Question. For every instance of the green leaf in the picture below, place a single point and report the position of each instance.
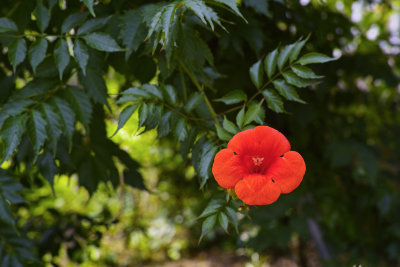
(223, 134)
(240, 118)
(170, 95)
(37, 130)
(89, 5)
(125, 116)
(205, 13)
(133, 31)
(223, 221)
(194, 100)
(314, 57)
(95, 84)
(229, 126)
(42, 15)
(274, 102)
(143, 114)
(206, 161)
(153, 90)
(232, 218)
(5, 212)
(47, 167)
(207, 225)
(259, 6)
(67, 117)
(212, 208)
(187, 144)
(256, 74)
(164, 127)
(168, 20)
(293, 79)
(37, 52)
(233, 97)
(251, 113)
(81, 55)
(61, 56)
(298, 46)
(232, 4)
(72, 21)
(12, 108)
(284, 55)
(181, 129)
(80, 103)
(102, 42)
(305, 72)
(11, 134)
(270, 63)
(17, 52)
(93, 25)
(54, 129)
(287, 91)
(7, 25)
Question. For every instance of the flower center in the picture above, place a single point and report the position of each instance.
(257, 161)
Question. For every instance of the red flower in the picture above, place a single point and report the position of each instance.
(258, 163)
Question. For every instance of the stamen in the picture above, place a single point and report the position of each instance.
(257, 161)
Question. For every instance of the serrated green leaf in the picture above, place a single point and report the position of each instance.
(256, 74)
(207, 225)
(102, 42)
(61, 56)
(17, 52)
(223, 221)
(5, 212)
(47, 167)
(42, 15)
(155, 23)
(37, 52)
(170, 95)
(164, 127)
(232, 4)
(125, 116)
(314, 57)
(80, 103)
(223, 134)
(232, 218)
(37, 130)
(168, 18)
(11, 134)
(293, 79)
(298, 46)
(211, 208)
(205, 13)
(284, 55)
(95, 85)
(89, 5)
(205, 164)
(181, 129)
(93, 25)
(305, 72)
(233, 97)
(240, 118)
(12, 108)
(153, 90)
(194, 100)
(81, 55)
(133, 31)
(143, 114)
(287, 91)
(230, 126)
(274, 102)
(270, 63)
(7, 25)
(67, 116)
(72, 21)
(251, 113)
(54, 129)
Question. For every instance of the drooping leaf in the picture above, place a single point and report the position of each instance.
(11, 134)
(270, 63)
(251, 113)
(284, 55)
(89, 5)
(73, 20)
(143, 114)
(181, 129)
(17, 52)
(232, 4)
(223, 221)
(274, 102)
(256, 74)
(212, 208)
(305, 72)
(61, 56)
(233, 97)
(187, 144)
(170, 95)
(81, 55)
(194, 100)
(206, 163)
(232, 218)
(125, 116)
(93, 25)
(47, 166)
(153, 90)
(67, 117)
(80, 103)
(293, 79)
(287, 91)
(240, 118)
(102, 42)
(314, 57)
(37, 130)
(205, 13)
(37, 52)
(42, 15)
(165, 126)
(7, 25)
(207, 225)
(54, 129)
(95, 84)
(168, 18)
(12, 108)
(133, 31)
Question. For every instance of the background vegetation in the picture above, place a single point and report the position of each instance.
(112, 111)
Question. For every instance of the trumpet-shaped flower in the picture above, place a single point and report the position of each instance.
(259, 165)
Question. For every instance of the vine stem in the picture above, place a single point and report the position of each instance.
(200, 88)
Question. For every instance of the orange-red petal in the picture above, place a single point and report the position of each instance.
(257, 189)
(287, 171)
(227, 168)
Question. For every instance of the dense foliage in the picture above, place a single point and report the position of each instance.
(193, 73)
